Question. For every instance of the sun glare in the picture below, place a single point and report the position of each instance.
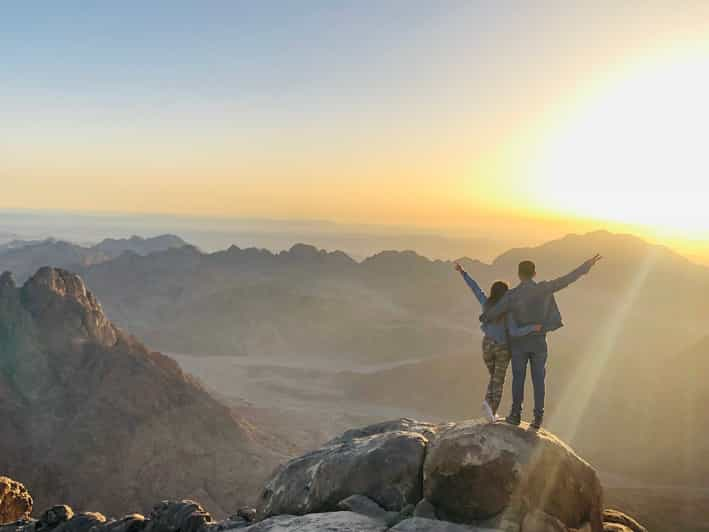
(637, 153)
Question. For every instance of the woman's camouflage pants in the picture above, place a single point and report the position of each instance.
(497, 358)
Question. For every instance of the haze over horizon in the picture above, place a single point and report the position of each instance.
(360, 241)
(539, 119)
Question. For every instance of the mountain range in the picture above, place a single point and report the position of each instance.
(393, 305)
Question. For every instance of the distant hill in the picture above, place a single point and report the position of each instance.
(92, 417)
(113, 247)
(24, 257)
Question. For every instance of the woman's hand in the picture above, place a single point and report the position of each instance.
(458, 268)
(538, 328)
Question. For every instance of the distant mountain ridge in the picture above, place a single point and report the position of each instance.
(393, 305)
(24, 257)
(114, 247)
(90, 415)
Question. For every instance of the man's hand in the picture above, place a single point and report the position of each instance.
(459, 268)
(590, 263)
(538, 328)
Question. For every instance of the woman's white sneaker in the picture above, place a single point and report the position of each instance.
(487, 412)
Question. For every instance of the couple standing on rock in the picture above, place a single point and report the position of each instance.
(515, 323)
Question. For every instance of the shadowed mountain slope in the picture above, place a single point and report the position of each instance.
(92, 417)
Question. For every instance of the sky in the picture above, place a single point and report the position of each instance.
(446, 115)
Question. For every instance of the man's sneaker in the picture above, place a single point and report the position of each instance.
(537, 423)
(514, 419)
(487, 412)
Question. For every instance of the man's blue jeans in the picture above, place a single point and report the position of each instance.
(537, 361)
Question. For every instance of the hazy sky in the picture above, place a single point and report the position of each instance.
(397, 112)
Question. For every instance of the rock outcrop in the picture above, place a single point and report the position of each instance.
(468, 488)
(15, 501)
(93, 418)
(473, 474)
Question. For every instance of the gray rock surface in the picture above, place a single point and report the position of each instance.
(425, 509)
(319, 522)
(420, 524)
(360, 504)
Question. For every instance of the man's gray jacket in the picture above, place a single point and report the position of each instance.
(533, 303)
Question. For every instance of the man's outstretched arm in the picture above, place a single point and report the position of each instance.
(562, 282)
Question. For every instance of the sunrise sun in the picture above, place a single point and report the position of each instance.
(636, 152)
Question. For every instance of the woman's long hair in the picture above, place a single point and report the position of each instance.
(498, 289)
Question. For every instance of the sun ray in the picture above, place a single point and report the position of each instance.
(577, 394)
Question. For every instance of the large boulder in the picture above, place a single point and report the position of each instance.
(178, 516)
(83, 522)
(476, 471)
(386, 467)
(53, 517)
(15, 501)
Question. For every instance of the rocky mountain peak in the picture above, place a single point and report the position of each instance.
(60, 282)
(60, 300)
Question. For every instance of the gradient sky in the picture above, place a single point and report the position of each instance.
(435, 114)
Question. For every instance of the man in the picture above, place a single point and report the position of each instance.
(531, 302)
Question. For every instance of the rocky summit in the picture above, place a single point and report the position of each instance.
(487, 476)
(93, 418)
(399, 476)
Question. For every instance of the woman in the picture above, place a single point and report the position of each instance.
(496, 351)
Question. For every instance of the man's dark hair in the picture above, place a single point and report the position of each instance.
(527, 269)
